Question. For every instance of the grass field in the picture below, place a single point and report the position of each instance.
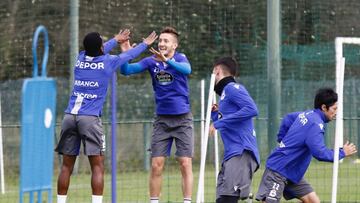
(133, 186)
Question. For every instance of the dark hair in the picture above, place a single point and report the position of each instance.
(170, 30)
(325, 96)
(92, 44)
(228, 64)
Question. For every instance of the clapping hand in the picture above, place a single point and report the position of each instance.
(158, 54)
(122, 36)
(126, 45)
(151, 38)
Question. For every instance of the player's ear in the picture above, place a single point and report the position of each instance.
(175, 45)
(323, 107)
(216, 70)
(102, 49)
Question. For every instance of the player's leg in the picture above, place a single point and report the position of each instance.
(310, 198)
(187, 176)
(184, 140)
(271, 187)
(93, 138)
(97, 174)
(68, 146)
(160, 148)
(302, 191)
(157, 167)
(65, 173)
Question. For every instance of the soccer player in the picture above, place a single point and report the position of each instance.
(82, 122)
(233, 118)
(300, 137)
(169, 71)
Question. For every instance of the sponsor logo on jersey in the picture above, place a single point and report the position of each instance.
(220, 115)
(321, 126)
(164, 78)
(85, 95)
(82, 83)
(88, 65)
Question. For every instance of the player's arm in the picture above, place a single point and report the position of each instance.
(286, 123)
(315, 142)
(109, 45)
(119, 38)
(183, 66)
(133, 68)
(247, 106)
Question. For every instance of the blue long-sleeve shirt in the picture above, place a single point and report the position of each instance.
(91, 78)
(303, 139)
(169, 80)
(234, 121)
(286, 123)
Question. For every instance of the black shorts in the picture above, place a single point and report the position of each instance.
(235, 176)
(169, 128)
(273, 186)
(80, 128)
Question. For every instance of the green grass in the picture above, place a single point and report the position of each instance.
(132, 186)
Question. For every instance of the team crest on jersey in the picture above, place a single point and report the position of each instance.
(164, 78)
(157, 69)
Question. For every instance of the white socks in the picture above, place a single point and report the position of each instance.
(61, 198)
(154, 200)
(187, 200)
(97, 198)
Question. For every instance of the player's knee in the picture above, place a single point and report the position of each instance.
(185, 164)
(310, 198)
(65, 168)
(157, 167)
(97, 169)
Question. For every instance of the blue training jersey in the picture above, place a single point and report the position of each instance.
(286, 123)
(91, 78)
(169, 80)
(234, 121)
(301, 137)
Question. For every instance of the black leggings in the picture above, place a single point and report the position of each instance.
(227, 199)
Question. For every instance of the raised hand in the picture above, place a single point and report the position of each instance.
(126, 45)
(122, 36)
(158, 54)
(151, 38)
(349, 148)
